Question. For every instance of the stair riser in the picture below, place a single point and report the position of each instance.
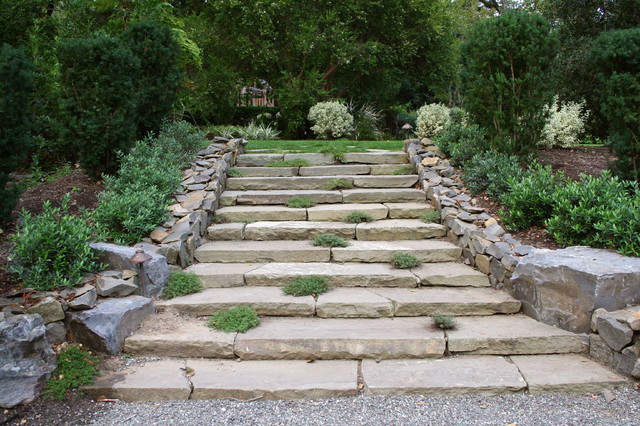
(319, 182)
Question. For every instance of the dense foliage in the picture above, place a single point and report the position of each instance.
(76, 367)
(507, 74)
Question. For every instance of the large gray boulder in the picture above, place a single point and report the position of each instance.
(26, 359)
(105, 327)
(563, 287)
(117, 257)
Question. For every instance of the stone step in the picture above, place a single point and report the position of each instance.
(261, 251)
(297, 230)
(255, 213)
(332, 170)
(399, 229)
(217, 379)
(383, 251)
(317, 159)
(334, 338)
(320, 182)
(450, 274)
(337, 212)
(303, 251)
(254, 197)
(341, 302)
(220, 275)
(509, 335)
(399, 195)
(381, 157)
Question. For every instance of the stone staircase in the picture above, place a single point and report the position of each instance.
(373, 332)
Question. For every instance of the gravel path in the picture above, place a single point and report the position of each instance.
(553, 409)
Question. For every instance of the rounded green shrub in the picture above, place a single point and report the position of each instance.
(329, 240)
(432, 120)
(405, 261)
(306, 286)
(239, 319)
(181, 283)
(330, 120)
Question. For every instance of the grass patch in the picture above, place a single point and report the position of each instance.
(246, 220)
(405, 261)
(306, 286)
(338, 184)
(336, 151)
(300, 202)
(181, 283)
(218, 219)
(240, 319)
(358, 217)
(444, 322)
(76, 367)
(233, 172)
(329, 240)
(404, 170)
(298, 162)
(321, 146)
(431, 217)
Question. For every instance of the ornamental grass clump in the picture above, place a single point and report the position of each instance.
(181, 283)
(76, 367)
(405, 261)
(300, 202)
(306, 286)
(358, 217)
(329, 240)
(331, 120)
(239, 319)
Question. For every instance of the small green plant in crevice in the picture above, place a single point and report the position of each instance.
(246, 220)
(404, 170)
(239, 319)
(298, 162)
(300, 202)
(339, 184)
(233, 172)
(358, 217)
(336, 151)
(181, 283)
(306, 286)
(431, 217)
(218, 219)
(405, 261)
(329, 240)
(444, 322)
(76, 367)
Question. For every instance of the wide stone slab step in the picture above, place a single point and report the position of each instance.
(337, 274)
(255, 213)
(230, 198)
(297, 230)
(392, 195)
(399, 229)
(450, 274)
(319, 338)
(320, 182)
(383, 251)
(486, 375)
(337, 212)
(217, 379)
(265, 300)
(381, 157)
(509, 335)
(220, 275)
(332, 170)
(261, 251)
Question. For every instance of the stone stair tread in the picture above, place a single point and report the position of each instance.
(242, 213)
(336, 338)
(337, 274)
(268, 171)
(399, 229)
(450, 274)
(411, 210)
(565, 373)
(335, 170)
(509, 335)
(261, 251)
(320, 182)
(214, 275)
(461, 375)
(353, 303)
(448, 301)
(265, 300)
(381, 157)
(278, 196)
(215, 379)
(383, 251)
(297, 230)
(391, 195)
(337, 212)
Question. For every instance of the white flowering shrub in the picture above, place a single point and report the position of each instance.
(432, 120)
(564, 125)
(330, 120)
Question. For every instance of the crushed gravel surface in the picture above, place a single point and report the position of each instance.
(521, 409)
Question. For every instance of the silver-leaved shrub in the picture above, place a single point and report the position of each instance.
(565, 124)
(432, 120)
(330, 120)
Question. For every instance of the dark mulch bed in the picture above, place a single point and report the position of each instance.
(84, 195)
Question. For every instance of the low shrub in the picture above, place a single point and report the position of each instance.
(330, 120)
(619, 226)
(52, 249)
(431, 217)
(181, 283)
(339, 184)
(358, 217)
(530, 198)
(405, 261)
(329, 240)
(580, 206)
(233, 172)
(444, 322)
(432, 120)
(298, 162)
(301, 202)
(460, 143)
(490, 171)
(239, 319)
(565, 124)
(76, 367)
(306, 286)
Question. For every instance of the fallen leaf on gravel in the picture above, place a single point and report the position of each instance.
(419, 403)
(483, 406)
(614, 377)
(361, 386)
